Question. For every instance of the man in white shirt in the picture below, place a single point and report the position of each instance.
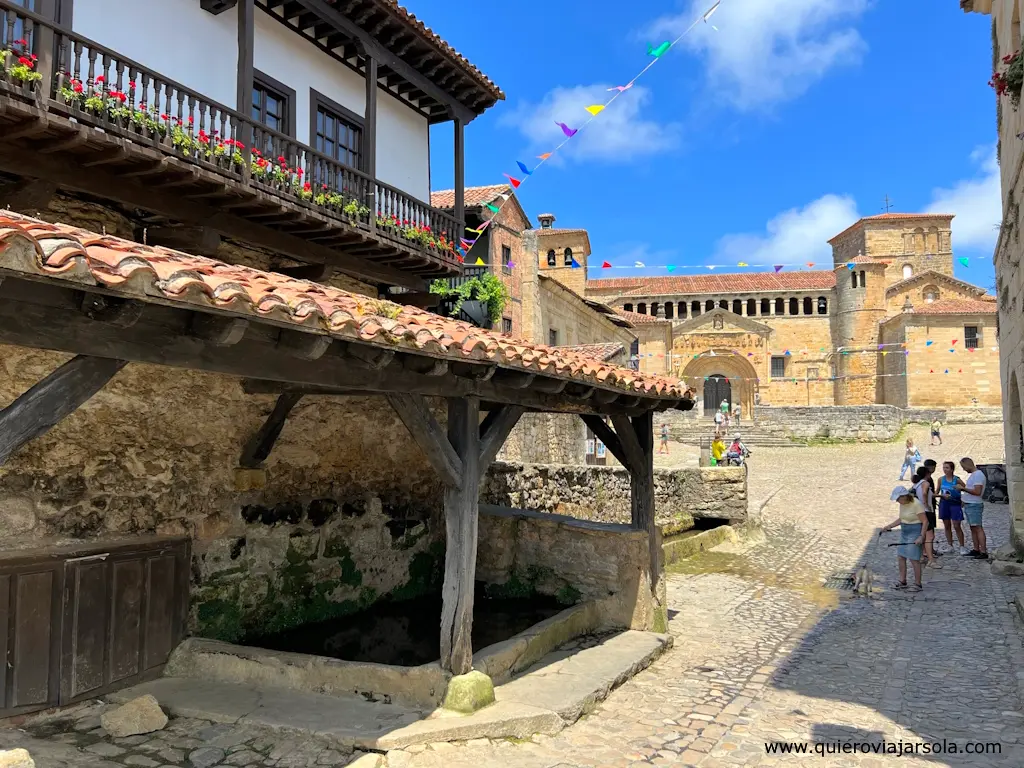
(971, 494)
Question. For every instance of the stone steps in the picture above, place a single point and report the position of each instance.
(692, 434)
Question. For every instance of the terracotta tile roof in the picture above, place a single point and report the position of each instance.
(637, 319)
(438, 42)
(893, 217)
(475, 196)
(930, 275)
(65, 253)
(748, 282)
(602, 352)
(957, 307)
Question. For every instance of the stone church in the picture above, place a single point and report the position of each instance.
(887, 323)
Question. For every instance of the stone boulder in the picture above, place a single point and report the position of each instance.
(141, 715)
(16, 758)
(468, 693)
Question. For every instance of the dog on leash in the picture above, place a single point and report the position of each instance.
(864, 581)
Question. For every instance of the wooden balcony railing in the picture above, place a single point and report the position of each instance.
(80, 79)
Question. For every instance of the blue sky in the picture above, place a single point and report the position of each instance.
(756, 142)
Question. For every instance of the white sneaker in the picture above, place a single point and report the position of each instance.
(965, 551)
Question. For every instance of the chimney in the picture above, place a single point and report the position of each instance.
(546, 220)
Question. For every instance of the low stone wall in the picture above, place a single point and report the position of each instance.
(601, 494)
(866, 423)
(576, 561)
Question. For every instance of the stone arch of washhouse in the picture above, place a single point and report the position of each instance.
(740, 374)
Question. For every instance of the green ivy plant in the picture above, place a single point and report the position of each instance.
(486, 288)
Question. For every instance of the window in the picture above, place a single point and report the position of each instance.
(930, 294)
(506, 259)
(766, 306)
(737, 307)
(780, 306)
(695, 308)
(682, 309)
(654, 309)
(568, 257)
(506, 325)
(337, 132)
(778, 367)
(552, 337)
(723, 304)
(670, 310)
(641, 308)
(971, 336)
(709, 305)
(808, 305)
(853, 279)
(794, 307)
(552, 259)
(822, 305)
(627, 307)
(863, 280)
(751, 307)
(273, 104)
(908, 271)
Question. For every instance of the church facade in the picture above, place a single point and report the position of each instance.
(888, 323)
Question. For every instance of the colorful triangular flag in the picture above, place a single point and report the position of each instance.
(493, 208)
(511, 265)
(954, 341)
(512, 180)
(671, 268)
(545, 156)
(849, 265)
(575, 264)
(479, 262)
(477, 231)
(595, 109)
(638, 264)
(743, 264)
(523, 168)
(569, 132)
(778, 268)
(621, 88)
(810, 264)
(660, 50)
(964, 260)
(605, 265)
(928, 343)
(787, 353)
(460, 259)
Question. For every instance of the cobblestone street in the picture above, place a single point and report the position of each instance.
(763, 652)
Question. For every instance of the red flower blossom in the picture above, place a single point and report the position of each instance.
(77, 87)
(325, 187)
(20, 42)
(131, 83)
(34, 57)
(121, 97)
(142, 106)
(25, 61)
(281, 160)
(307, 187)
(164, 116)
(100, 79)
(191, 120)
(299, 172)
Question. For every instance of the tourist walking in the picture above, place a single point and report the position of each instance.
(736, 411)
(724, 407)
(924, 492)
(719, 423)
(911, 458)
(971, 496)
(663, 448)
(950, 510)
(936, 431)
(913, 523)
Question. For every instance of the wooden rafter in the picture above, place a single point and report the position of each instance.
(261, 444)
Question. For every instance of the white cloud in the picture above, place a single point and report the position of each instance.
(796, 236)
(976, 203)
(621, 132)
(768, 51)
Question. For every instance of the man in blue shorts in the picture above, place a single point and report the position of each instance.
(971, 494)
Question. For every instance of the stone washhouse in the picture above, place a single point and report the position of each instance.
(192, 448)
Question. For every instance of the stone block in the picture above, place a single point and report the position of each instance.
(16, 758)
(469, 693)
(250, 479)
(1007, 568)
(141, 715)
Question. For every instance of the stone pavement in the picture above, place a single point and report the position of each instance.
(763, 652)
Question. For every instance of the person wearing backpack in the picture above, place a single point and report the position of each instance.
(911, 458)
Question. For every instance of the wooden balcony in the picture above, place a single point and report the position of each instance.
(82, 117)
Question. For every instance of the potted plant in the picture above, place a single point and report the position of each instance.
(483, 298)
(1011, 79)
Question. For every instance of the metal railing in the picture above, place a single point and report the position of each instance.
(96, 86)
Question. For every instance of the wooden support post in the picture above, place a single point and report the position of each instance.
(370, 120)
(243, 97)
(261, 444)
(460, 174)
(642, 490)
(58, 395)
(461, 510)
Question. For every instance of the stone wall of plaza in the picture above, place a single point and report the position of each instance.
(601, 494)
(547, 438)
(945, 374)
(506, 231)
(330, 526)
(809, 342)
(868, 423)
(655, 346)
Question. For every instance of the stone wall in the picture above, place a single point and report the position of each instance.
(601, 494)
(547, 438)
(849, 422)
(572, 560)
(345, 513)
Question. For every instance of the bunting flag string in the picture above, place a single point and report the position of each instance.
(523, 168)
(595, 110)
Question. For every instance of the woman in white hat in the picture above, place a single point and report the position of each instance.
(913, 522)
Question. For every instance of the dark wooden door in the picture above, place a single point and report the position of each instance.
(80, 622)
(716, 389)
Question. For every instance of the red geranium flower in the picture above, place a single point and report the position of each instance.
(131, 83)
(77, 87)
(25, 61)
(100, 79)
(20, 42)
(307, 187)
(299, 171)
(281, 160)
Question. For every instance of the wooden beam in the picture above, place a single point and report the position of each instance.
(122, 313)
(425, 366)
(261, 444)
(417, 418)
(304, 345)
(369, 135)
(605, 434)
(246, 25)
(58, 395)
(370, 357)
(203, 241)
(460, 173)
(461, 513)
(641, 490)
(494, 431)
(313, 272)
(631, 447)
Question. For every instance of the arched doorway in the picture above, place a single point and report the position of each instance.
(716, 389)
